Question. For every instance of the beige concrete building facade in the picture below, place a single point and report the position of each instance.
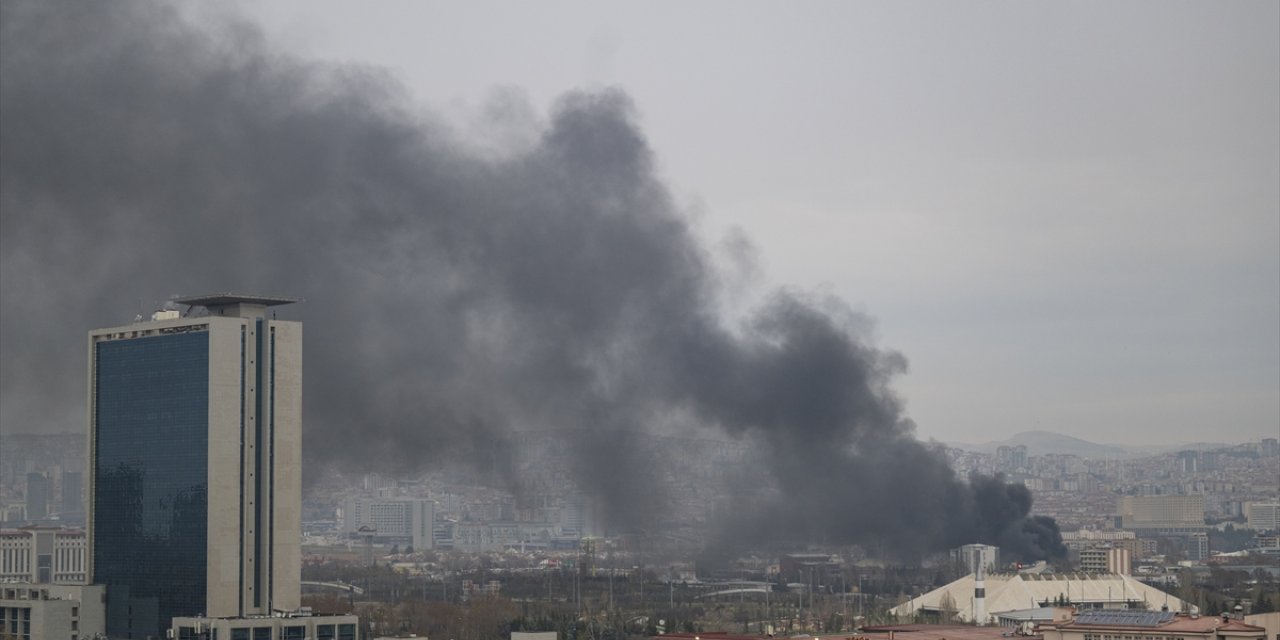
(1106, 560)
(1264, 516)
(200, 415)
(38, 611)
(41, 555)
(1163, 514)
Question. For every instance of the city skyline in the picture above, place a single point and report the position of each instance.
(1049, 244)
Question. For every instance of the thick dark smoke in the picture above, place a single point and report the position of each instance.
(452, 296)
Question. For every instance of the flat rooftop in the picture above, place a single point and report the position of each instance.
(223, 299)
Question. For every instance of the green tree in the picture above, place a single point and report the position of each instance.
(1263, 602)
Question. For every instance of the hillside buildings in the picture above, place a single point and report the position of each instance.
(41, 479)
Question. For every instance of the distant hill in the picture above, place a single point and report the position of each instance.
(1039, 443)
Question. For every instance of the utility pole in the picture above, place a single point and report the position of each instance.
(811, 570)
(844, 601)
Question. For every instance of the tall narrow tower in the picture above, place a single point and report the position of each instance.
(980, 596)
(195, 463)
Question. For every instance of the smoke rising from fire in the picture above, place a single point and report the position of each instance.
(453, 294)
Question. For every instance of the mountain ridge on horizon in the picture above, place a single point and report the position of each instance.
(1040, 442)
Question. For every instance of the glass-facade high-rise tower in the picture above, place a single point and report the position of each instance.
(195, 464)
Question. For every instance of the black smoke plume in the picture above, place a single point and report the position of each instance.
(453, 295)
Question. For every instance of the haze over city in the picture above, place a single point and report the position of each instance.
(473, 311)
(1064, 218)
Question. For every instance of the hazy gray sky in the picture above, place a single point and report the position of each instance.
(1065, 215)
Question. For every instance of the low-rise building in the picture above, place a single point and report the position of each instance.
(38, 611)
(1269, 621)
(1151, 625)
(1014, 592)
(43, 555)
(803, 567)
(928, 632)
(301, 626)
(1086, 538)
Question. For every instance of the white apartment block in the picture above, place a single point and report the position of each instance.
(1089, 538)
(1162, 514)
(408, 519)
(497, 536)
(1264, 516)
(43, 555)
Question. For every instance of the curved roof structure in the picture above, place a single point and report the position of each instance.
(1014, 592)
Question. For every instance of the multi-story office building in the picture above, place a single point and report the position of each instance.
(408, 520)
(1270, 446)
(37, 496)
(1012, 457)
(1093, 560)
(1198, 546)
(1106, 560)
(1264, 516)
(1188, 461)
(973, 556)
(1090, 538)
(42, 555)
(1162, 515)
(72, 494)
(195, 464)
(580, 517)
(497, 536)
